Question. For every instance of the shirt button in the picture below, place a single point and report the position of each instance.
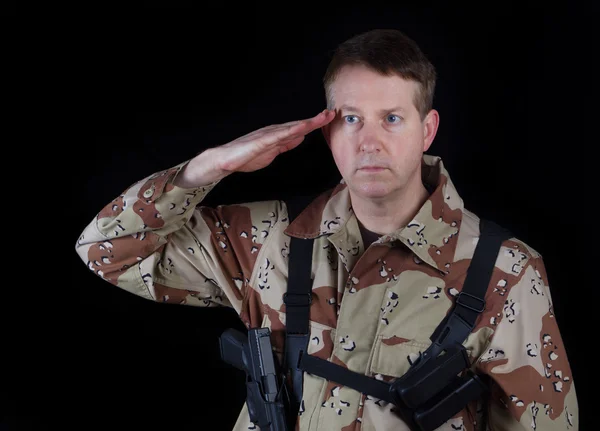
(149, 192)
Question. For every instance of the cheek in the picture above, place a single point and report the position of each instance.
(414, 134)
(343, 140)
(341, 155)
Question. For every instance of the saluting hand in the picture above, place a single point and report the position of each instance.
(250, 152)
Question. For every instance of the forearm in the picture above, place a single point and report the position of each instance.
(200, 171)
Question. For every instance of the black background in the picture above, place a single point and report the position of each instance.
(151, 88)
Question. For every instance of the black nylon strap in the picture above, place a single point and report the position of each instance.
(335, 373)
(297, 302)
(298, 297)
(470, 302)
(471, 299)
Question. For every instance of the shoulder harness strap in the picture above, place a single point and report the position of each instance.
(297, 302)
(431, 391)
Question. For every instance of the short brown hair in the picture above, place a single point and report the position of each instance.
(387, 51)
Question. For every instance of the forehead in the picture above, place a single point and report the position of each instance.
(361, 85)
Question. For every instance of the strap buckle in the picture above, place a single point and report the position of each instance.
(473, 303)
(291, 299)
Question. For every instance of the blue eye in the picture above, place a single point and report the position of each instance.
(347, 117)
(392, 117)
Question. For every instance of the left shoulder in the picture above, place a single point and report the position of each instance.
(514, 252)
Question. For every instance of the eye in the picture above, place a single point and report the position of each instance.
(393, 119)
(351, 119)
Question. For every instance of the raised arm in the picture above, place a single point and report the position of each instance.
(156, 241)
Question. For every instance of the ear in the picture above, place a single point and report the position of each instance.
(430, 127)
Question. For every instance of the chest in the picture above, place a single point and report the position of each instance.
(369, 307)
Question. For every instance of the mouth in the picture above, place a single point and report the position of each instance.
(372, 169)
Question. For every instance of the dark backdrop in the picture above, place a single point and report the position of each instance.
(152, 88)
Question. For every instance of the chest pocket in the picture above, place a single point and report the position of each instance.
(409, 318)
(393, 356)
(320, 342)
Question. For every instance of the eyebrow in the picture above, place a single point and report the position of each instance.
(352, 108)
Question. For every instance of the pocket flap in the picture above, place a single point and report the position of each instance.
(393, 356)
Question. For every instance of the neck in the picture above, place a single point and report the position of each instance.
(384, 216)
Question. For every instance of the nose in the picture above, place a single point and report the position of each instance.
(369, 140)
(370, 146)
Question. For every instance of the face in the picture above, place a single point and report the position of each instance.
(377, 125)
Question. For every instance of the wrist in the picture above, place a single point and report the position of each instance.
(199, 171)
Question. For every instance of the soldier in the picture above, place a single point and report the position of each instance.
(392, 244)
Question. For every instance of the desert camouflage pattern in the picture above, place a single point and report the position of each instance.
(374, 308)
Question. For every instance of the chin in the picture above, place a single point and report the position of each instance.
(371, 190)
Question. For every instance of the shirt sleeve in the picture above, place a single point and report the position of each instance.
(532, 385)
(152, 241)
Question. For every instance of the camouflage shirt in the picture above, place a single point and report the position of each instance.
(374, 308)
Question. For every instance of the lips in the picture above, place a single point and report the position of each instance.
(372, 168)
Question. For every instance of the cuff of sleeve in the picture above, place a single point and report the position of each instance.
(168, 199)
(162, 182)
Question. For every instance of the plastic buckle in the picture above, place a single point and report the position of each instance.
(297, 299)
(460, 300)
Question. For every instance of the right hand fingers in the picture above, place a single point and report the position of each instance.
(325, 114)
(308, 125)
(257, 149)
(278, 134)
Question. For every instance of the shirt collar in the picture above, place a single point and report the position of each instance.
(431, 235)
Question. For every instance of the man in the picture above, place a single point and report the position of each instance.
(392, 243)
